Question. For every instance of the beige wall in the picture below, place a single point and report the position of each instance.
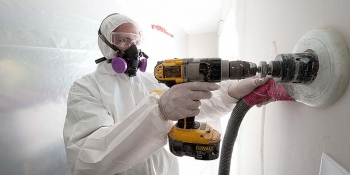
(291, 138)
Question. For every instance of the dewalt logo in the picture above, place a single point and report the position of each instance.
(204, 148)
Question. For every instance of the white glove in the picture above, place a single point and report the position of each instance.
(182, 100)
(244, 87)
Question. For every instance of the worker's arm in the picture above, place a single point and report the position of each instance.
(96, 144)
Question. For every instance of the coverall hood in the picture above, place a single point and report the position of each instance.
(109, 24)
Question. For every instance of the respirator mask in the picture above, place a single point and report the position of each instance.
(128, 61)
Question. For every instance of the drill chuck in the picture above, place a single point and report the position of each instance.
(241, 69)
(291, 68)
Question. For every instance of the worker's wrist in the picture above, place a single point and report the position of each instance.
(161, 113)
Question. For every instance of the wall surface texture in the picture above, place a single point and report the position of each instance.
(287, 137)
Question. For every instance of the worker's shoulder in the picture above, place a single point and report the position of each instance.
(86, 85)
(150, 82)
(86, 80)
(147, 76)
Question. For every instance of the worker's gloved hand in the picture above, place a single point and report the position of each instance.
(182, 100)
(244, 87)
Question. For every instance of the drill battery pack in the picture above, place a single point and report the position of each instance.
(202, 143)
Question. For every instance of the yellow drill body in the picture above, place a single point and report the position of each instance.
(188, 137)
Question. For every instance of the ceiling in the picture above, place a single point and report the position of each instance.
(193, 16)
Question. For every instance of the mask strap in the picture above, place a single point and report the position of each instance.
(103, 38)
(100, 60)
(142, 54)
(107, 42)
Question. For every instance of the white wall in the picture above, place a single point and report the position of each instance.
(203, 45)
(289, 138)
(159, 45)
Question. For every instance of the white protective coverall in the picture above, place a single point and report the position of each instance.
(113, 124)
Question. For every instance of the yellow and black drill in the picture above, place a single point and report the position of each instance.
(189, 137)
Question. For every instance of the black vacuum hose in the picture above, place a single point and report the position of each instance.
(233, 125)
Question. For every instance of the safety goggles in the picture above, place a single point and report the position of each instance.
(122, 39)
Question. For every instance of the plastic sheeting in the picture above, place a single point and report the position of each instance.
(41, 53)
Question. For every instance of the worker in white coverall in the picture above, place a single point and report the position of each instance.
(116, 125)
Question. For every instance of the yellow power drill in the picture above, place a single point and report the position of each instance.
(189, 137)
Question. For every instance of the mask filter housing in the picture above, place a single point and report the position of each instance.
(130, 62)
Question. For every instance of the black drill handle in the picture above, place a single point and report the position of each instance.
(185, 123)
